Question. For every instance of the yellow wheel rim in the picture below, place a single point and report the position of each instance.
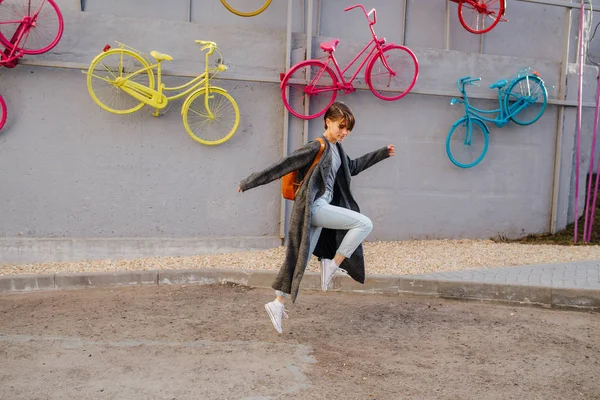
(106, 72)
(246, 14)
(215, 126)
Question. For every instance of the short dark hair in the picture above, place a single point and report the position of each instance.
(339, 111)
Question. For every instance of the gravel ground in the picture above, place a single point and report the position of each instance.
(394, 258)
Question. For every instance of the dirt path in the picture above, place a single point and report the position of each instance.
(208, 342)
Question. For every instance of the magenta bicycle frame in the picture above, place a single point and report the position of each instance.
(347, 85)
(9, 57)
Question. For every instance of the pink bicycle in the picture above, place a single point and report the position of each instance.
(391, 73)
(30, 26)
(27, 27)
(8, 59)
(480, 16)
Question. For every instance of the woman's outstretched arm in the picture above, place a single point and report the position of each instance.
(368, 160)
(296, 160)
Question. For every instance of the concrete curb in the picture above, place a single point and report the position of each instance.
(522, 294)
(21, 250)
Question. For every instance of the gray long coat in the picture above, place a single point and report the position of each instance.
(313, 187)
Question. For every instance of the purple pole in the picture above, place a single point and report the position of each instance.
(578, 151)
(588, 223)
(593, 205)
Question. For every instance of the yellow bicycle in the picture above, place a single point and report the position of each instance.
(121, 81)
(254, 6)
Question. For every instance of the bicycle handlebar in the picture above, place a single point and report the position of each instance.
(366, 14)
(463, 81)
(207, 45)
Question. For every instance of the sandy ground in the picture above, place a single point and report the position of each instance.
(394, 258)
(216, 342)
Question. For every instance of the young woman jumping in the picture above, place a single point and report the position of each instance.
(325, 219)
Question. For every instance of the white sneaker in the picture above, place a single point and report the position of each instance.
(276, 311)
(328, 268)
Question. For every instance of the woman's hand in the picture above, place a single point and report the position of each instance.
(391, 150)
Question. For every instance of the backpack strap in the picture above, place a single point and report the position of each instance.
(318, 157)
(315, 162)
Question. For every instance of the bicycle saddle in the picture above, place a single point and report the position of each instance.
(500, 84)
(160, 56)
(330, 46)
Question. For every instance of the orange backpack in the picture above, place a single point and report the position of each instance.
(289, 183)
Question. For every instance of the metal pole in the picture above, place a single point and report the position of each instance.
(318, 18)
(587, 223)
(286, 114)
(562, 83)
(308, 56)
(592, 214)
(447, 44)
(579, 110)
(403, 32)
(481, 43)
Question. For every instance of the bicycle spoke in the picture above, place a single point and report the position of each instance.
(38, 10)
(109, 70)
(101, 78)
(198, 113)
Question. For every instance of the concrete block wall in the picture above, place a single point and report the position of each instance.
(78, 182)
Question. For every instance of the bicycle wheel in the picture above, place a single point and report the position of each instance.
(3, 112)
(319, 93)
(526, 98)
(392, 73)
(105, 71)
(207, 129)
(39, 21)
(246, 8)
(480, 16)
(464, 150)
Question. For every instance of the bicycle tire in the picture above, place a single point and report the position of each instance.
(146, 78)
(526, 92)
(248, 13)
(476, 27)
(216, 109)
(3, 112)
(404, 65)
(298, 97)
(479, 154)
(13, 9)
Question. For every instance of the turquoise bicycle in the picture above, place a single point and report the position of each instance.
(521, 99)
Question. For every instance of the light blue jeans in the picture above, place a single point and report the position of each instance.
(324, 215)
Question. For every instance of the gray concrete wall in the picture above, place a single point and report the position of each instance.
(79, 182)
